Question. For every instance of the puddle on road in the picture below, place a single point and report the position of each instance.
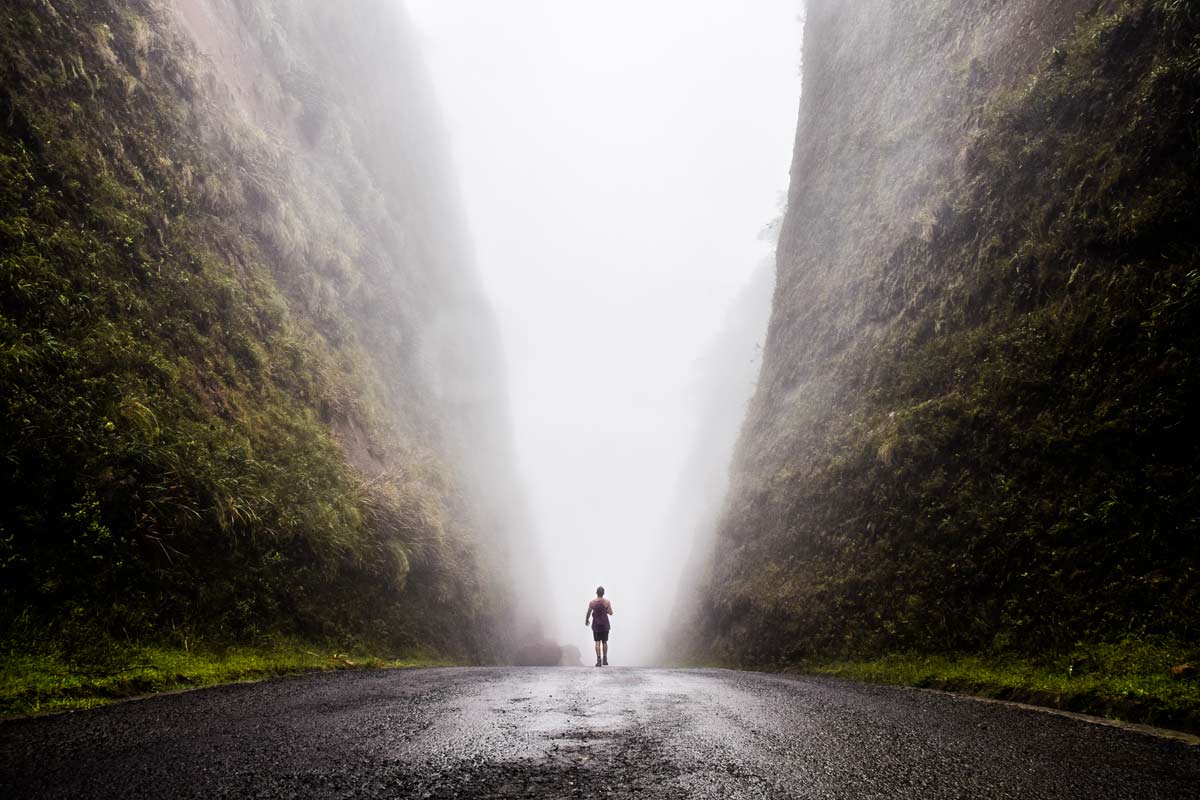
(560, 733)
(543, 715)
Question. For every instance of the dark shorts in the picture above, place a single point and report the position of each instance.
(600, 634)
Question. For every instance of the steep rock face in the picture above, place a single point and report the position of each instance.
(724, 383)
(250, 369)
(971, 429)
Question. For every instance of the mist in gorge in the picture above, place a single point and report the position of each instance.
(618, 165)
(725, 380)
(394, 333)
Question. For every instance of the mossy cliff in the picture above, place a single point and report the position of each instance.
(246, 373)
(975, 428)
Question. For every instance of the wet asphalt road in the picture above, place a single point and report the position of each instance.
(588, 732)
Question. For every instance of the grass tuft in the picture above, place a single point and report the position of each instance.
(34, 683)
(1122, 682)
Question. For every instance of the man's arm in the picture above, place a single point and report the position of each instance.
(608, 607)
(587, 619)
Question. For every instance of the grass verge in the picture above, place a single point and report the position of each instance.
(39, 683)
(1144, 696)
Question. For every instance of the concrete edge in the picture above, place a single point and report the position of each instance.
(1148, 730)
(1189, 739)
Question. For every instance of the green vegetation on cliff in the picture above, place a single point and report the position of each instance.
(981, 438)
(218, 426)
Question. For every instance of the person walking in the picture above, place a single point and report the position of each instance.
(598, 612)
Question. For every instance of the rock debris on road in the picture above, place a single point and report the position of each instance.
(598, 733)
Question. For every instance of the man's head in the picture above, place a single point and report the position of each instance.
(599, 591)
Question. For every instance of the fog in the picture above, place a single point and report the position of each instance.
(618, 163)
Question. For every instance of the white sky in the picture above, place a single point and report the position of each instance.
(617, 162)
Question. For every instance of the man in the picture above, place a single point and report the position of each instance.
(599, 610)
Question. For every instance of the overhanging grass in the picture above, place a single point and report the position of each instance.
(37, 683)
(1147, 696)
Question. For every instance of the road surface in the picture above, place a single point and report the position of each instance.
(561, 733)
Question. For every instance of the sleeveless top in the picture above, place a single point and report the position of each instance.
(599, 608)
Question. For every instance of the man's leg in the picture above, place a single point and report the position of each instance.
(605, 662)
(597, 654)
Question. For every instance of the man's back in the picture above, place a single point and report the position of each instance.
(601, 608)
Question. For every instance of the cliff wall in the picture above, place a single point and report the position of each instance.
(249, 371)
(972, 428)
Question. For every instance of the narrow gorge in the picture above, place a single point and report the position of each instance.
(400, 337)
